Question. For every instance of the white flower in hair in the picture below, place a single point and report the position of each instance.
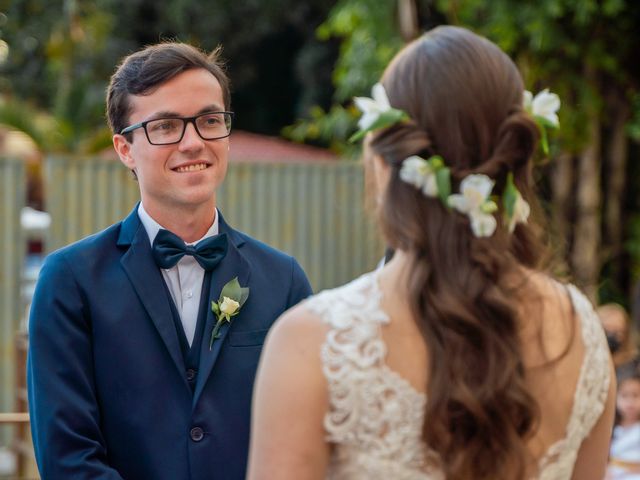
(417, 172)
(474, 202)
(377, 112)
(544, 105)
(372, 108)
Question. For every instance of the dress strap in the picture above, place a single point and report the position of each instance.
(590, 395)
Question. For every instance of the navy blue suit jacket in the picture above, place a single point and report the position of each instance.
(108, 393)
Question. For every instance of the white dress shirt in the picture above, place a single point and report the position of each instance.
(185, 278)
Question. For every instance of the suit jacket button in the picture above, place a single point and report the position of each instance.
(196, 434)
(191, 374)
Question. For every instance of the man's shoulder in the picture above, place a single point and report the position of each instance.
(259, 249)
(272, 268)
(97, 243)
(273, 264)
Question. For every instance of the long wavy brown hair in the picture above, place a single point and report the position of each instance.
(464, 97)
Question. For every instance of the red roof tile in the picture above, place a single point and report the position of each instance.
(246, 146)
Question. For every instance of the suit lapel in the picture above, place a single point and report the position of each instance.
(147, 281)
(233, 265)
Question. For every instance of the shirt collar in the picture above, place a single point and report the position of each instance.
(152, 227)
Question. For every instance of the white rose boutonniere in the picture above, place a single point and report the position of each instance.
(228, 305)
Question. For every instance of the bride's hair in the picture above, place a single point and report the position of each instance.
(464, 98)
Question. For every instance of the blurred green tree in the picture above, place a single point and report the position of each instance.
(52, 87)
(369, 38)
(62, 52)
(585, 51)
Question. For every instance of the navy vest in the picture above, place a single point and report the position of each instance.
(191, 354)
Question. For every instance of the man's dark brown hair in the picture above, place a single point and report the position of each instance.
(142, 72)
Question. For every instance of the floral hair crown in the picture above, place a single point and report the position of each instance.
(433, 177)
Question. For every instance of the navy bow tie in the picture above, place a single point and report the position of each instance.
(168, 249)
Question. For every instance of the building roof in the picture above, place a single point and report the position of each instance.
(253, 147)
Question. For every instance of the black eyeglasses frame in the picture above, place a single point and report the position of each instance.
(186, 120)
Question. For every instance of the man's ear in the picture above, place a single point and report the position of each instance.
(123, 149)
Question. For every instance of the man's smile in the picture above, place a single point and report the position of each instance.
(194, 167)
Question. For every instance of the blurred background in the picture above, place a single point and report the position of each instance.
(295, 182)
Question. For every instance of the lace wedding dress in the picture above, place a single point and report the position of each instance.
(375, 417)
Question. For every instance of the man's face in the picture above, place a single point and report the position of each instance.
(185, 175)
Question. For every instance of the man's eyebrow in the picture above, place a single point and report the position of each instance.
(211, 108)
(162, 114)
(170, 114)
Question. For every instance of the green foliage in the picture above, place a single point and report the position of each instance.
(55, 78)
(24, 117)
(62, 53)
(633, 127)
(368, 41)
(51, 133)
(586, 52)
(573, 47)
(330, 128)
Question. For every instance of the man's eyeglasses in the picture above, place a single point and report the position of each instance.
(166, 131)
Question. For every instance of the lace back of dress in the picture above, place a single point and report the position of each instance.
(375, 416)
(590, 395)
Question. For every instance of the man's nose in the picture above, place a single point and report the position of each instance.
(191, 136)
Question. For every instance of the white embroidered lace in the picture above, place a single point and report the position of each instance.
(375, 416)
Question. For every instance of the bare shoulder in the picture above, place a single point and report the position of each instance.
(550, 325)
(290, 385)
(293, 346)
(553, 293)
(298, 326)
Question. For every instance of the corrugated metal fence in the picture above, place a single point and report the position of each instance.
(84, 196)
(12, 251)
(312, 211)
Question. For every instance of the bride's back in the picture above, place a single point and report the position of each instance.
(498, 344)
(459, 359)
(550, 337)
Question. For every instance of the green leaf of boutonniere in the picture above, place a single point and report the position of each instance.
(232, 298)
(234, 291)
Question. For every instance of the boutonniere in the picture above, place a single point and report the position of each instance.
(232, 297)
